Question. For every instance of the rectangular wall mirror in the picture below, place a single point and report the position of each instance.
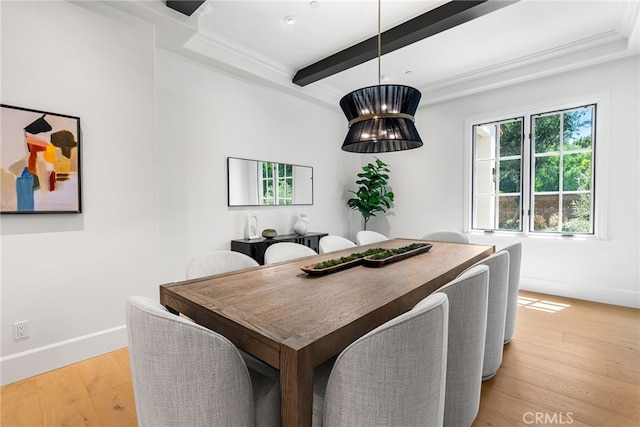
(263, 183)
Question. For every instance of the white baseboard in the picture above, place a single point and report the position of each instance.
(19, 366)
(606, 295)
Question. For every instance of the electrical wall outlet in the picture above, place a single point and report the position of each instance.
(21, 330)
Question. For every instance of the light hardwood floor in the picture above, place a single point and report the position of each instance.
(570, 362)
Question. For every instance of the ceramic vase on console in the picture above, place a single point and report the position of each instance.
(251, 228)
(301, 226)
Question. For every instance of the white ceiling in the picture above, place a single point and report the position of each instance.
(524, 40)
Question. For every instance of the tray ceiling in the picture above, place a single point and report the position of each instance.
(524, 40)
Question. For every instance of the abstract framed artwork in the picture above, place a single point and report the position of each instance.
(39, 162)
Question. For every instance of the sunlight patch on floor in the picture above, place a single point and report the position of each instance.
(542, 305)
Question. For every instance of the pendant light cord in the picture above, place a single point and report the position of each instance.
(379, 44)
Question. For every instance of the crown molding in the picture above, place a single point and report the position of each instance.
(183, 36)
(606, 47)
(233, 57)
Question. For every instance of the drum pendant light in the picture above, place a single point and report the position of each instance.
(381, 118)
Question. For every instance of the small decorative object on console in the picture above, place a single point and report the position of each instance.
(251, 229)
(269, 233)
(301, 226)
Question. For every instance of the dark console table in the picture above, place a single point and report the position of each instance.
(255, 247)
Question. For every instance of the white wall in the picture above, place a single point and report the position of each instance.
(205, 116)
(67, 274)
(430, 184)
(156, 132)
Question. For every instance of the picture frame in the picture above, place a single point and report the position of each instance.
(40, 162)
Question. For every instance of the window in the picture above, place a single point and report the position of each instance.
(542, 186)
(497, 171)
(562, 172)
(276, 183)
(267, 191)
(285, 184)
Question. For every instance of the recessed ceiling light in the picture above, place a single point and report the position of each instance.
(315, 4)
(290, 20)
(408, 73)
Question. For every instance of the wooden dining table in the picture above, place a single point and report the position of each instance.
(294, 321)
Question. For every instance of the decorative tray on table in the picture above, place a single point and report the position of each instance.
(317, 270)
(392, 255)
(375, 257)
(337, 264)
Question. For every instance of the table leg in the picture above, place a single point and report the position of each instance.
(296, 382)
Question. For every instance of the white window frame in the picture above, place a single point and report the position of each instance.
(274, 180)
(262, 179)
(601, 165)
(496, 158)
(277, 179)
(562, 152)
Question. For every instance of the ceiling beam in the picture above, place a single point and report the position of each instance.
(435, 21)
(185, 6)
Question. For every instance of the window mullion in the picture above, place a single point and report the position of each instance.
(524, 176)
(274, 180)
(496, 180)
(530, 186)
(561, 176)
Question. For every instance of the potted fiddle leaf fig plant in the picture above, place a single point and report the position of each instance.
(372, 196)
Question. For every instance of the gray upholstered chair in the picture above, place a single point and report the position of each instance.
(332, 243)
(218, 262)
(393, 376)
(468, 295)
(515, 255)
(285, 251)
(446, 236)
(365, 237)
(498, 264)
(186, 375)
